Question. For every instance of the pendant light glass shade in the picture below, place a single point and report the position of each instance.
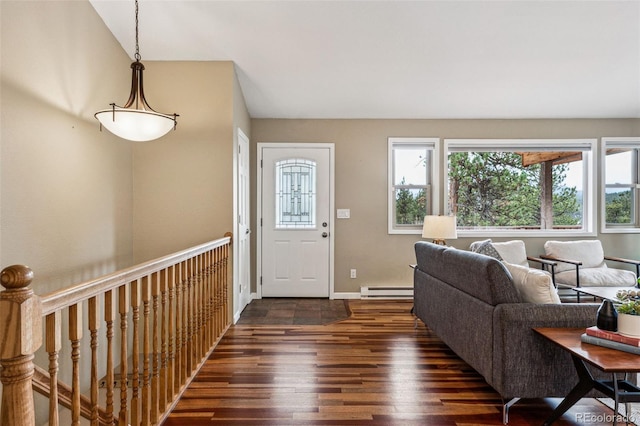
(135, 124)
(136, 120)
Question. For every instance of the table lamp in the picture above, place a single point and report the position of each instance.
(439, 228)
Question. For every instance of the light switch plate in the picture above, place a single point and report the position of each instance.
(344, 213)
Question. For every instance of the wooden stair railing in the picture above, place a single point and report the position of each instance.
(176, 306)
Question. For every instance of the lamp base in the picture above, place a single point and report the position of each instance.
(440, 242)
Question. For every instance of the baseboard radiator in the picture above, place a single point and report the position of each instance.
(386, 292)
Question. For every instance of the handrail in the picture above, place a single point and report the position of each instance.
(170, 313)
(57, 300)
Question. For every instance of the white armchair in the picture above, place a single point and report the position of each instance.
(582, 264)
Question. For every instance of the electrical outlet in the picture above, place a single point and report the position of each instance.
(353, 273)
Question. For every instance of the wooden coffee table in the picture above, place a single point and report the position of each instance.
(605, 359)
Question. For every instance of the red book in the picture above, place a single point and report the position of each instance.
(612, 335)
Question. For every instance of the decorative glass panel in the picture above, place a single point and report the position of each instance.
(295, 194)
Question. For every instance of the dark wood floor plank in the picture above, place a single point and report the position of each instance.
(375, 368)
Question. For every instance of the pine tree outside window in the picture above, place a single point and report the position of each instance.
(521, 187)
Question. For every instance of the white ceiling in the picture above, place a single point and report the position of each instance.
(404, 59)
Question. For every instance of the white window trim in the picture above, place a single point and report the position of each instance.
(435, 178)
(633, 142)
(589, 192)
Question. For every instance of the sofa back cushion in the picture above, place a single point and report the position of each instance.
(589, 252)
(480, 276)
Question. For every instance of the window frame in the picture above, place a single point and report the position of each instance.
(432, 144)
(617, 142)
(587, 146)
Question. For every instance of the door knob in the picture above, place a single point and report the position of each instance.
(325, 235)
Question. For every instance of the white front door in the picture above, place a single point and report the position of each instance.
(244, 231)
(296, 205)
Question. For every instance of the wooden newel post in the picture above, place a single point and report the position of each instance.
(20, 337)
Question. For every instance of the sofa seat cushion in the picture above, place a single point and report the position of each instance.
(533, 285)
(597, 277)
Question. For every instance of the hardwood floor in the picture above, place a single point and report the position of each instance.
(374, 368)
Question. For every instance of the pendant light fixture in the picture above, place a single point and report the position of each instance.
(136, 120)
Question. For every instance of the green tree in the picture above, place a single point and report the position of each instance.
(618, 207)
(410, 205)
(494, 189)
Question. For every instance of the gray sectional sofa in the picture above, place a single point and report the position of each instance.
(469, 301)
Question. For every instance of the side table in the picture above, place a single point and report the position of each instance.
(605, 359)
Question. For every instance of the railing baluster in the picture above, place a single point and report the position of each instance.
(123, 309)
(174, 337)
(135, 352)
(184, 353)
(189, 319)
(94, 325)
(201, 312)
(219, 293)
(75, 334)
(207, 299)
(109, 318)
(197, 315)
(180, 337)
(225, 287)
(216, 305)
(146, 382)
(164, 354)
(53, 345)
(155, 350)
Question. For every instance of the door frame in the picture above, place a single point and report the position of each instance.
(258, 215)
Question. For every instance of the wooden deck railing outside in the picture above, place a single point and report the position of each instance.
(160, 320)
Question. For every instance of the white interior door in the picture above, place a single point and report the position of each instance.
(296, 221)
(244, 231)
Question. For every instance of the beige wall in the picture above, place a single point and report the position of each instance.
(362, 242)
(182, 182)
(77, 203)
(65, 186)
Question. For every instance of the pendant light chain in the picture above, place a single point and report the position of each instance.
(137, 55)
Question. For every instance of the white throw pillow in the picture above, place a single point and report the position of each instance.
(533, 285)
(512, 251)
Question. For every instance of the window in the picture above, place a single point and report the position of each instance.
(413, 188)
(520, 187)
(621, 185)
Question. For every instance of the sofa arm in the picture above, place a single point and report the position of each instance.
(527, 365)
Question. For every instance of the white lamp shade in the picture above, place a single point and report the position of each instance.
(439, 227)
(135, 124)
